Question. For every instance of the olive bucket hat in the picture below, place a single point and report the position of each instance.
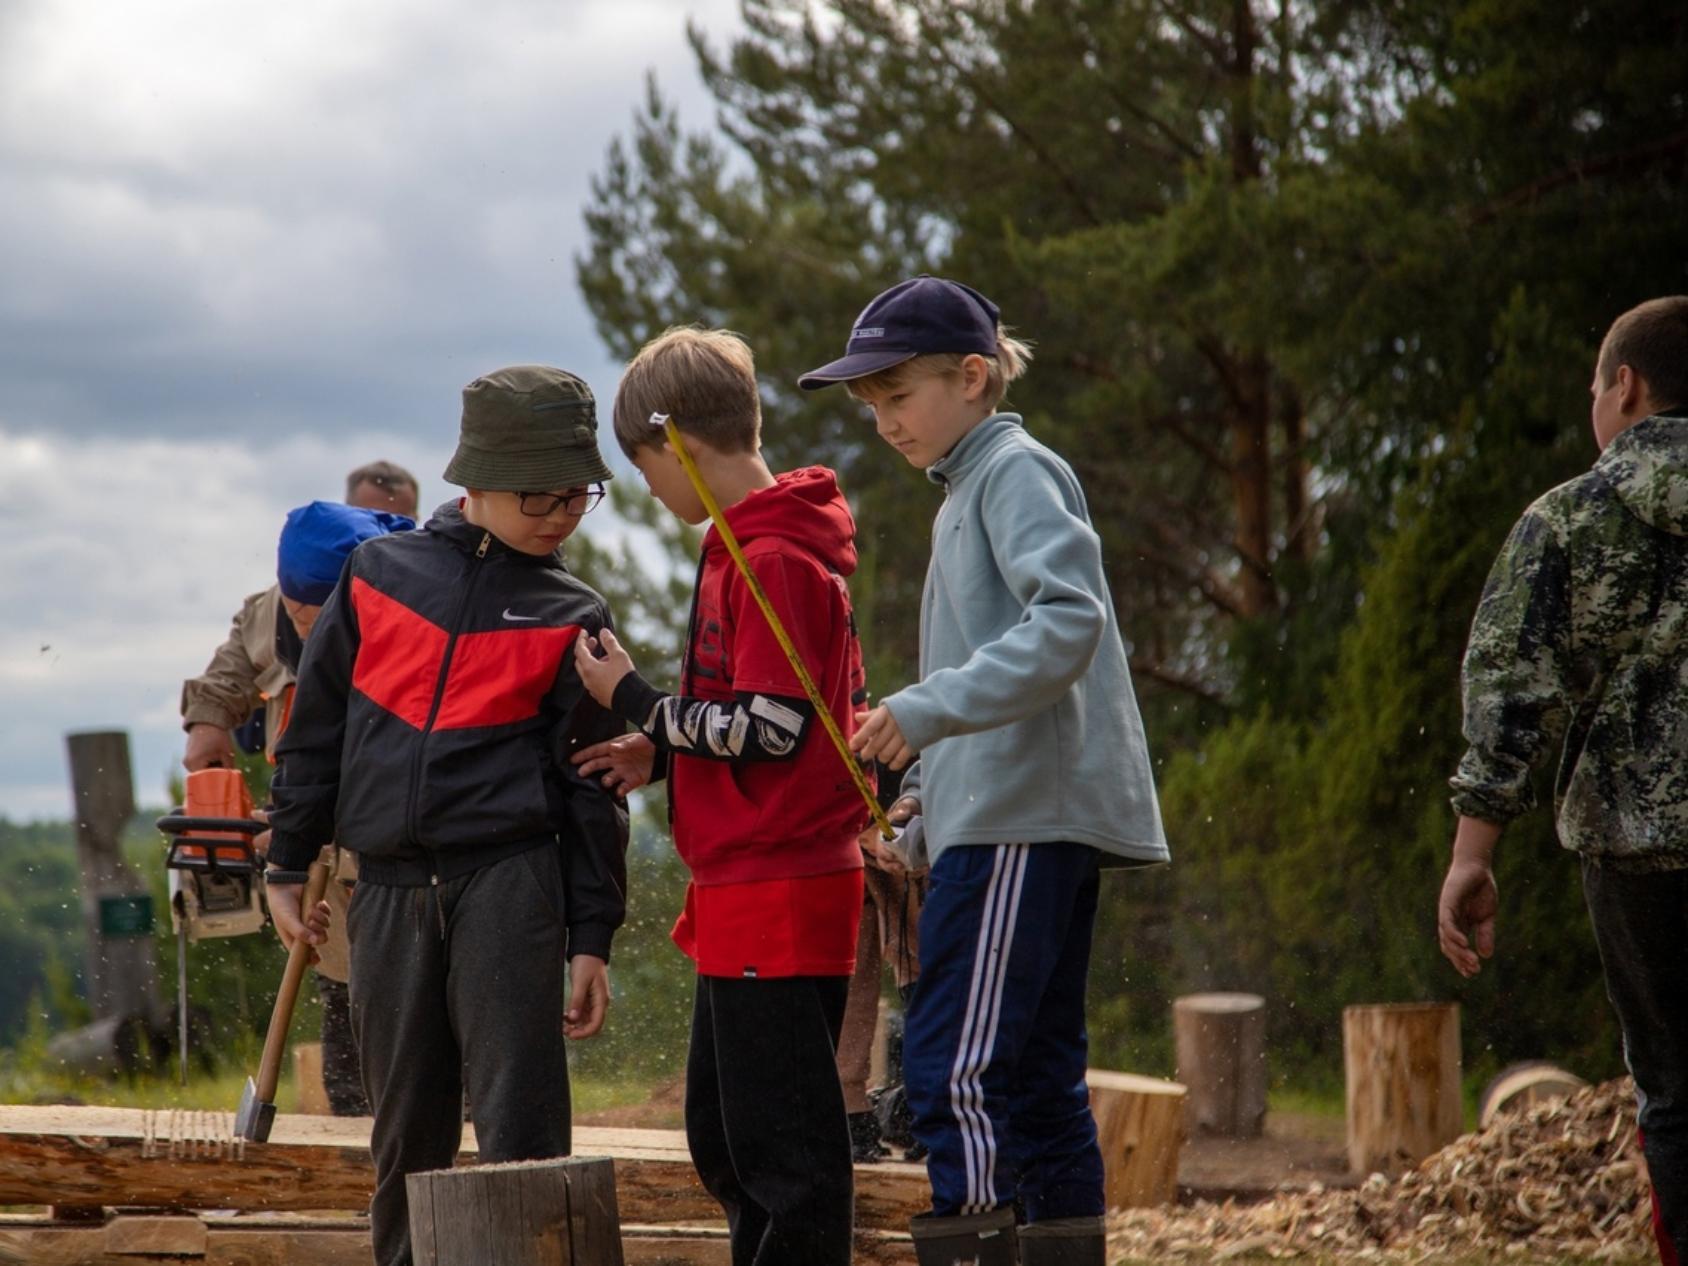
(528, 428)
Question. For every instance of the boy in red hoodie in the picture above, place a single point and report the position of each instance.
(763, 812)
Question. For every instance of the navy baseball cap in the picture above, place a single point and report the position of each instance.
(919, 317)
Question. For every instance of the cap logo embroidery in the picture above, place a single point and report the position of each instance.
(868, 331)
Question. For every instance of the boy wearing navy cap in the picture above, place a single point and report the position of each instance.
(1032, 776)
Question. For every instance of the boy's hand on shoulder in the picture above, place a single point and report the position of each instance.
(625, 761)
(879, 737)
(589, 996)
(601, 676)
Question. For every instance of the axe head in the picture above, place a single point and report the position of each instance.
(252, 1120)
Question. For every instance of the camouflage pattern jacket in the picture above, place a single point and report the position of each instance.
(244, 672)
(1582, 636)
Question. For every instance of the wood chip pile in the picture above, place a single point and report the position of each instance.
(1564, 1179)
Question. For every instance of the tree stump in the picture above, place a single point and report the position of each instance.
(1403, 1074)
(1520, 1086)
(1221, 1045)
(1139, 1127)
(525, 1213)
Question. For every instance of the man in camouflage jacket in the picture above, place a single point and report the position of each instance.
(1580, 648)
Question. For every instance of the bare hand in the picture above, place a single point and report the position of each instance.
(589, 996)
(1465, 916)
(879, 853)
(261, 841)
(878, 849)
(626, 762)
(284, 900)
(208, 746)
(879, 737)
(601, 676)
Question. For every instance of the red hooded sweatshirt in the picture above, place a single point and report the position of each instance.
(754, 826)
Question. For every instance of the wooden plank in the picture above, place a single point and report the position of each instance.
(46, 1244)
(145, 1236)
(178, 1159)
(300, 1242)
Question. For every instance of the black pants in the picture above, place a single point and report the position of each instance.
(341, 1076)
(765, 1116)
(460, 981)
(1641, 926)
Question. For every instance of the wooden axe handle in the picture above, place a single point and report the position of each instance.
(298, 958)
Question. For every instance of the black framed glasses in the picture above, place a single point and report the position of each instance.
(577, 501)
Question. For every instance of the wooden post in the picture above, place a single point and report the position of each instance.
(310, 1096)
(1139, 1127)
(1221, 1044)
(1403, 1074)
(525, 1213)
(116, 906)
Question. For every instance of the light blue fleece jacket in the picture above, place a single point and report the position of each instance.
(1024, 717)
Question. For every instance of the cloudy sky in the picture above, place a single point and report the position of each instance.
(244, 248)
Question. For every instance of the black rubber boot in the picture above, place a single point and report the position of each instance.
(865, 1145)
(1065, 1242)
(972, 1239)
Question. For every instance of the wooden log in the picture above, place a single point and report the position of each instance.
(1139, 1127)
(1221, 1050)
(310, 1096)
(1403, 1083)
(525, 1213)
(1520, 1086)
(179, 1159)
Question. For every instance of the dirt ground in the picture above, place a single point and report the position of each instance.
(1295, 1151)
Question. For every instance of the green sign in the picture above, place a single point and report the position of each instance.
(126, 916)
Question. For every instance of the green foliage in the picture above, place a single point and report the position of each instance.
(1316, 292)
(40, 927)
(649, 1022)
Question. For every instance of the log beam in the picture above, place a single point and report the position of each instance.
(179, 1159)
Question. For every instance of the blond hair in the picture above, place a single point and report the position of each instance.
(704, 379)
(1010, 362)
(1652, 339)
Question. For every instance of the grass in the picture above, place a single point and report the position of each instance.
(220, 1091)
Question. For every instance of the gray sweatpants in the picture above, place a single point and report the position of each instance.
(454, 986)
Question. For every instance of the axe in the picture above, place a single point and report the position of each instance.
(252, 1120)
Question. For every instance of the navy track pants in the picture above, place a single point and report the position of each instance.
(995, 1047)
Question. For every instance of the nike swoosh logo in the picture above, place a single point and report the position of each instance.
(508, 616)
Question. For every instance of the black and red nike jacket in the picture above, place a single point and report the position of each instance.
(436, 708)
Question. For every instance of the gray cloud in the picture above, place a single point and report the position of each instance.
(243, 249)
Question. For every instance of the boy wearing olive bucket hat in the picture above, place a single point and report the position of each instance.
(437, 706)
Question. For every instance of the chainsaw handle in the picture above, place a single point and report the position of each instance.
(298, 958)
(182, 823)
